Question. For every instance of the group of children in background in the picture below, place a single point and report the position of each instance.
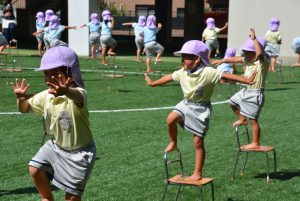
(68, 159)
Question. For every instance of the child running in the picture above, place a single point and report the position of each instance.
(247, 103)
(94, 26)
(296, 49)
(151, 46)
(108, 43)
(273, 38)
(48, 14)
(210, 36)
(40, 25)
(54, 31)
(139, 40)
(68, 159)
(197, 82)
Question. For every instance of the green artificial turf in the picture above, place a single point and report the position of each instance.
(130, 144)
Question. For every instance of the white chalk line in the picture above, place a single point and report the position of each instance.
(123, 110)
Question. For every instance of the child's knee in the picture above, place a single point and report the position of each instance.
(33, 171)
(172, 118)
(198, 142)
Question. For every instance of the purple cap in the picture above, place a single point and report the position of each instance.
(151, 22)
(274, 24)
(48, 14)
(210, 22)
(249, 44)
(94, 18)
(54, 22)
(40, 16)
(60, 56)
(230, 52)
(106, 15)
(142, 21)
(195, 47)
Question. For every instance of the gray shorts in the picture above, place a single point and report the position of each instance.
(272, 49)
(139, 42)
(195, 116)
(69, 170)
(40, 38)
(152, 48)
(46, 41)
(107, 41)
(212, 44)
(3, 40)
(94, 38)
(249, 101)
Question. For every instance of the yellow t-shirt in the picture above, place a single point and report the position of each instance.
(210, 34)
(197, 86)
(68, 123)
(261, 70)
(273, 37)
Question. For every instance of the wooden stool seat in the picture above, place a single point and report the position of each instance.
(259, 149)
(184, 180)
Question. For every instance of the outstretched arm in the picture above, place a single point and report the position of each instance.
(84, 25)
(258, 48)
(163, 80)
(224, 27)
(127, 23)
(112, 22)
(236, 59)
(237, 78)
(70, 27)
(37, 32)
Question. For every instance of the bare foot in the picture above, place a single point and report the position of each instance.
(171, 147)
(149, 71)
(111, 53)
(251, 146)
(104, 63)
(240, 122)
(195, 177)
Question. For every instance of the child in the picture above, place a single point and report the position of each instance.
(227, 67)
(247, 103)
(209, 35)
(48, 14)
(151, 46)
(68, 159)
(273, 38)
(54, 31)
(197, 83)
(139, 40)
(296, 49)
(106, 39)
(94, 26)
(40, 25)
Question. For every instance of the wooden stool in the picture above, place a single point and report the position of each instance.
(181, 180)
(240, 133)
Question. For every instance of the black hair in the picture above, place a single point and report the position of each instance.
(106, 21)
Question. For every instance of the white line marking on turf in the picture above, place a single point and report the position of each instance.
(123, 110)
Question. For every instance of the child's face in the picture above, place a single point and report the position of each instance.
(250, 56)
(53, 75)
(189, 61)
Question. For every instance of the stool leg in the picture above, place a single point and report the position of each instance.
(212, 191)
(246, 159)
(177, 193)
(267, 158)
(275, 162)
(235, 164)
(165, 192)
(201, 193)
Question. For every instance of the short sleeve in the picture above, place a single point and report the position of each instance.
(175, 75)
(217, 30)
(37, 103)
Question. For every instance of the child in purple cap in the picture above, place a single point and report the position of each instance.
(108, 43)
(197, 82)
(94, 26)
(53, 32)
(151, 46)
(210, 36)
(296, 50)
(227, 67)
(139, 40)
(40, 25)
(67, 159)
(273, 38)
(247, 103)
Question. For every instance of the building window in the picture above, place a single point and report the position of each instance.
(144, 10)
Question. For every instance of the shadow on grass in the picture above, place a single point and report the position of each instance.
(279, 89)
(282, 175)
(21, 191)
(230, 199)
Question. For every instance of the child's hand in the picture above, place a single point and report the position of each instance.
(250, 80)
(58, 87)
(20, 90)
(148, 80)
(252, 34)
